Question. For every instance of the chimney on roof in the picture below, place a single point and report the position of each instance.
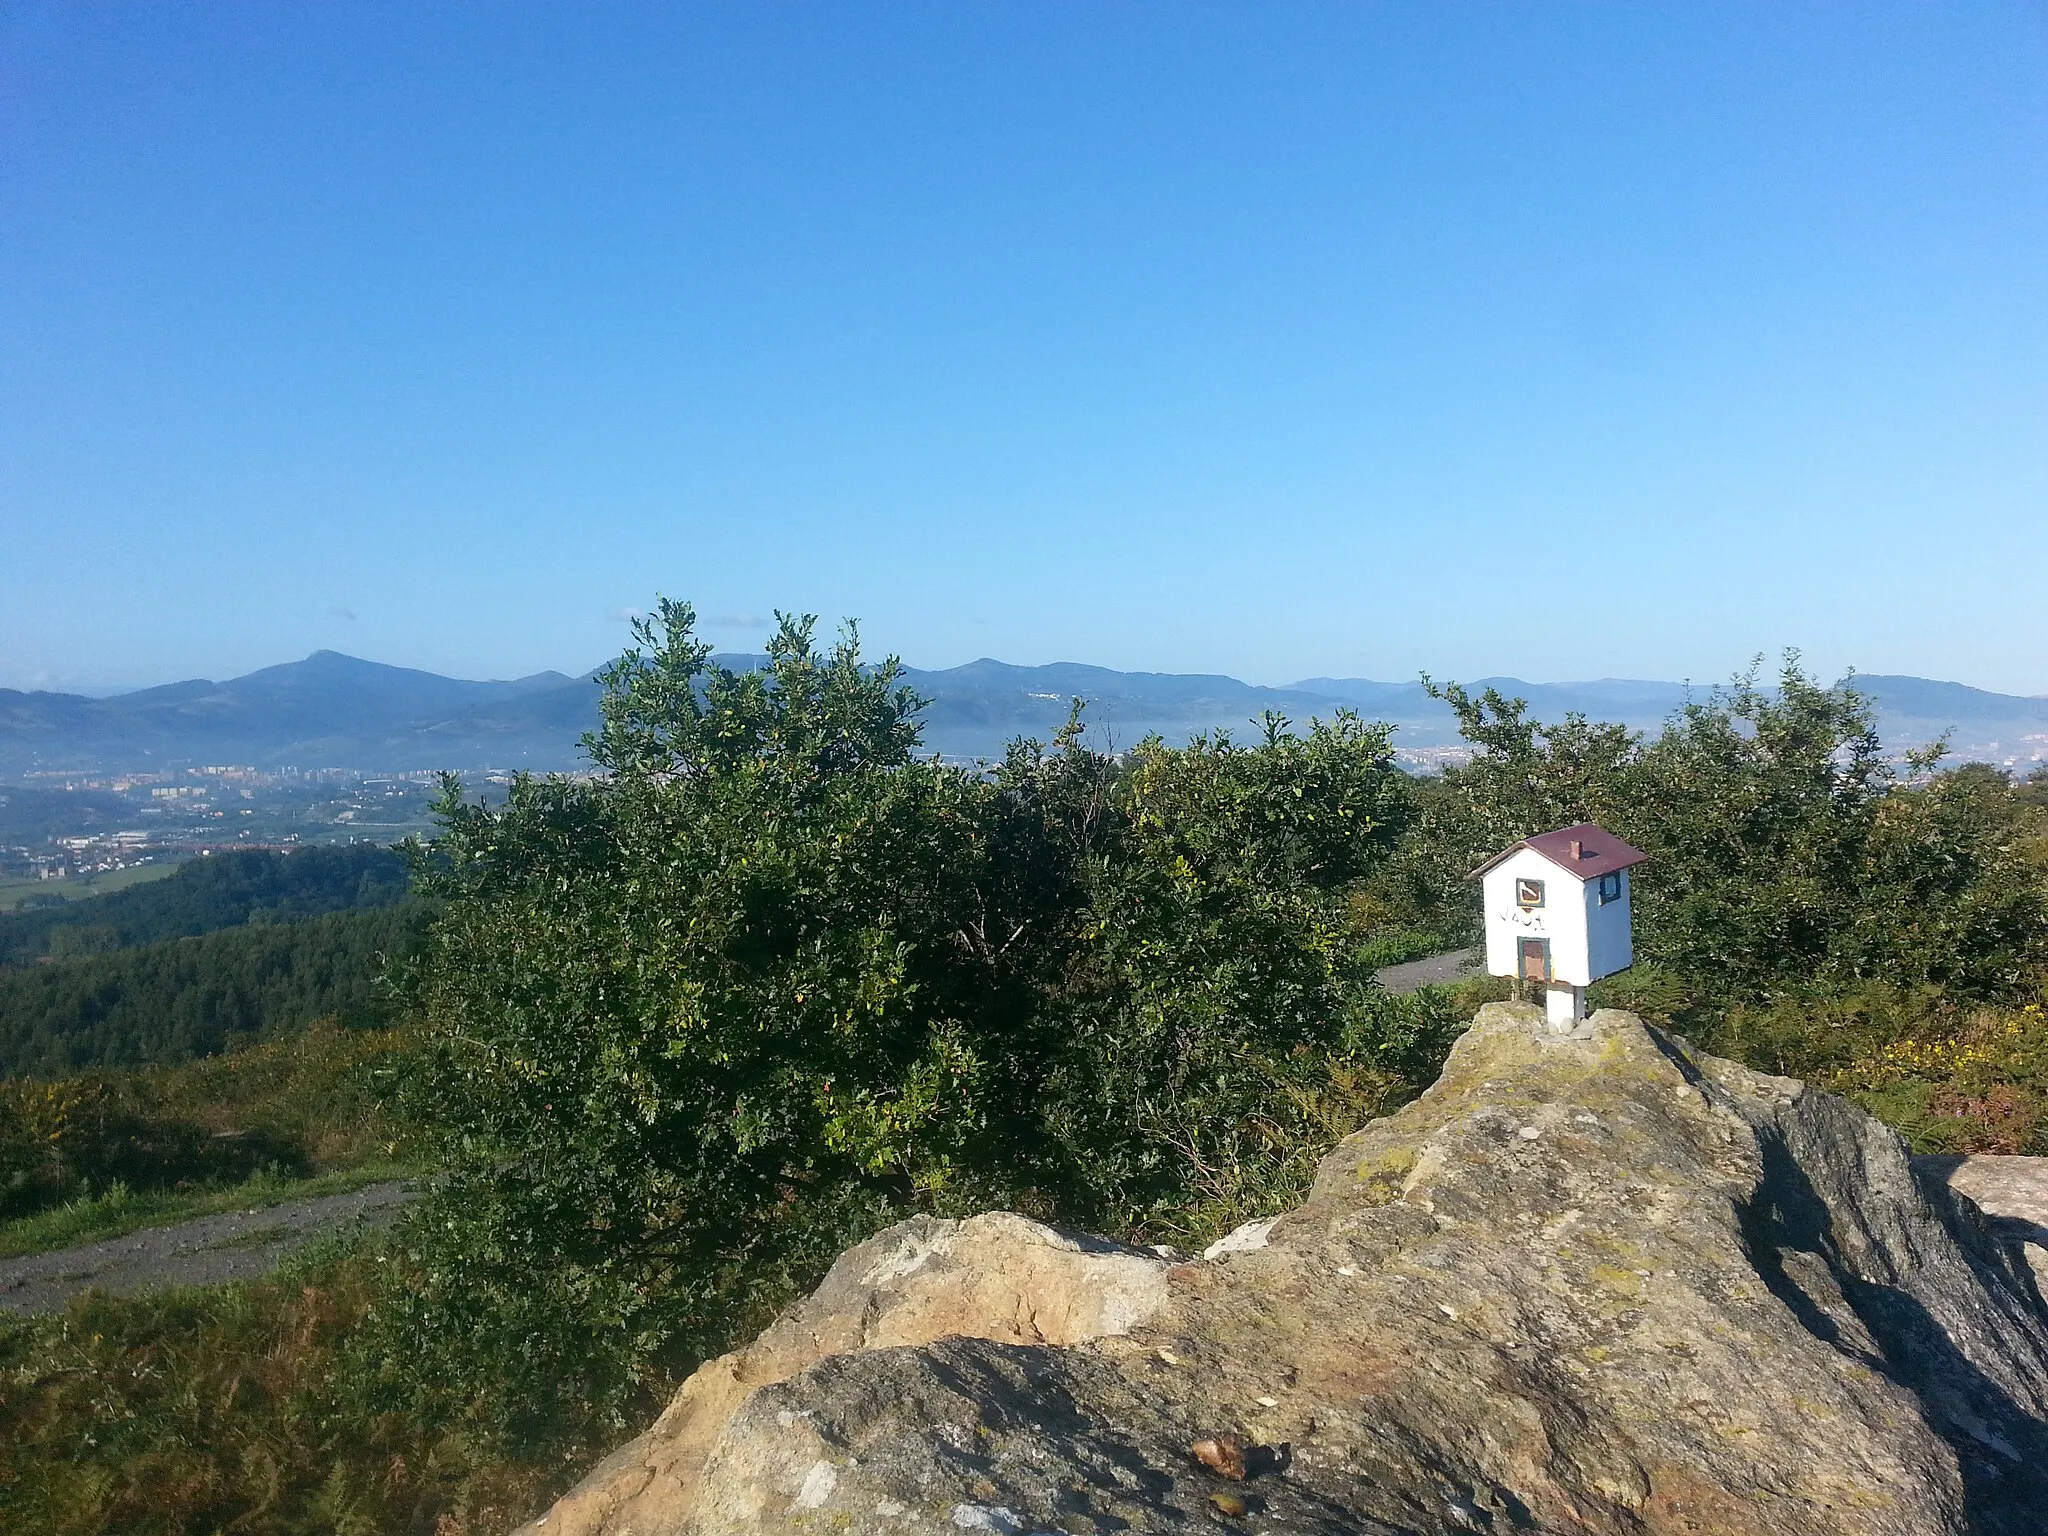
(1578, 849)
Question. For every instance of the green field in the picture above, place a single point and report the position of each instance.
(15, 889)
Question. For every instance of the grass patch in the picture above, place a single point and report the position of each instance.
(192, 1412)
(109, 1150)
(1957, 1080)
(1398, 946)
(15, 890)
(121, 1210)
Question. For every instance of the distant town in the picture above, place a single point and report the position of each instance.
(108, 830)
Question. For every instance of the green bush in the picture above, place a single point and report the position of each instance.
(774, 980)
(308, 1104)
(1790, 858)
(1951, 1076)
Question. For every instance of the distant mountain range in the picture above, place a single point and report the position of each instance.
(336, 711)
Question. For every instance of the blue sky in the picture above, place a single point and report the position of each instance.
(1278, 340)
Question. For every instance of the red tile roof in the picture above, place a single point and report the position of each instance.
(1600, 851)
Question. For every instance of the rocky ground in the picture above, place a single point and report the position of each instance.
(208, 1250)
(1591, 1282)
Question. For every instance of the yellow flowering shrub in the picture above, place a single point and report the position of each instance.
(1976, 1082)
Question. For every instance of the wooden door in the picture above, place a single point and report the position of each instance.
(1535, 959)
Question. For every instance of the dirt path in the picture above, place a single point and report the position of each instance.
(1413, 975)
(207, 1250)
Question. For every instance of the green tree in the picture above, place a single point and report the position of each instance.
(182, 999)
(686, 1018)
(772, 978)
(1792, 857)
(1215, 969)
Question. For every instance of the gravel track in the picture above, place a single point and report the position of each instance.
(1413, 975)
(207, 1250)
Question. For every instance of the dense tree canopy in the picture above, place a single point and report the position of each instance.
(771, 977)
(206, 895)
(697, 1022)
(1791, 856)
(157, 1004)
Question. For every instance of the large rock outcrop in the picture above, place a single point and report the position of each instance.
(2012, 1191)
(997, 1276)
(1589, 1283)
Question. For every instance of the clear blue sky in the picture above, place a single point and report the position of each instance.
(1559, 340)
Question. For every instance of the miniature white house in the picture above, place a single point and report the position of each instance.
(1557, 913)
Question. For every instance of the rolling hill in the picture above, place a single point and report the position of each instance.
(336, 711)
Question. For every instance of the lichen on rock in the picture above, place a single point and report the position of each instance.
(1591, 1283)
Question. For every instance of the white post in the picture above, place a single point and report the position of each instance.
(1563, 1007)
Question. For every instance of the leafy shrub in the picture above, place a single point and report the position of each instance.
(1393, 945)
(1952, 1077)
(58, 1140)
(775, 980)
(1790, 859)
(298, 1106)
(1646, 989)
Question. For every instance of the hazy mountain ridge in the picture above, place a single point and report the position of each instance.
(332, 710)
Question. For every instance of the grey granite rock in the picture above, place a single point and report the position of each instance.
(1588, 1283)
(2012, 1192)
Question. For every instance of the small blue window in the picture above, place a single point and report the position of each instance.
(1528, 894)
(1610, 888)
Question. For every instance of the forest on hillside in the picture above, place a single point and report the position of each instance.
(205, 895)
(230, 949)
(183, 999)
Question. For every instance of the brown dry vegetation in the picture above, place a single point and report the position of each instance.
(200, 1411)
